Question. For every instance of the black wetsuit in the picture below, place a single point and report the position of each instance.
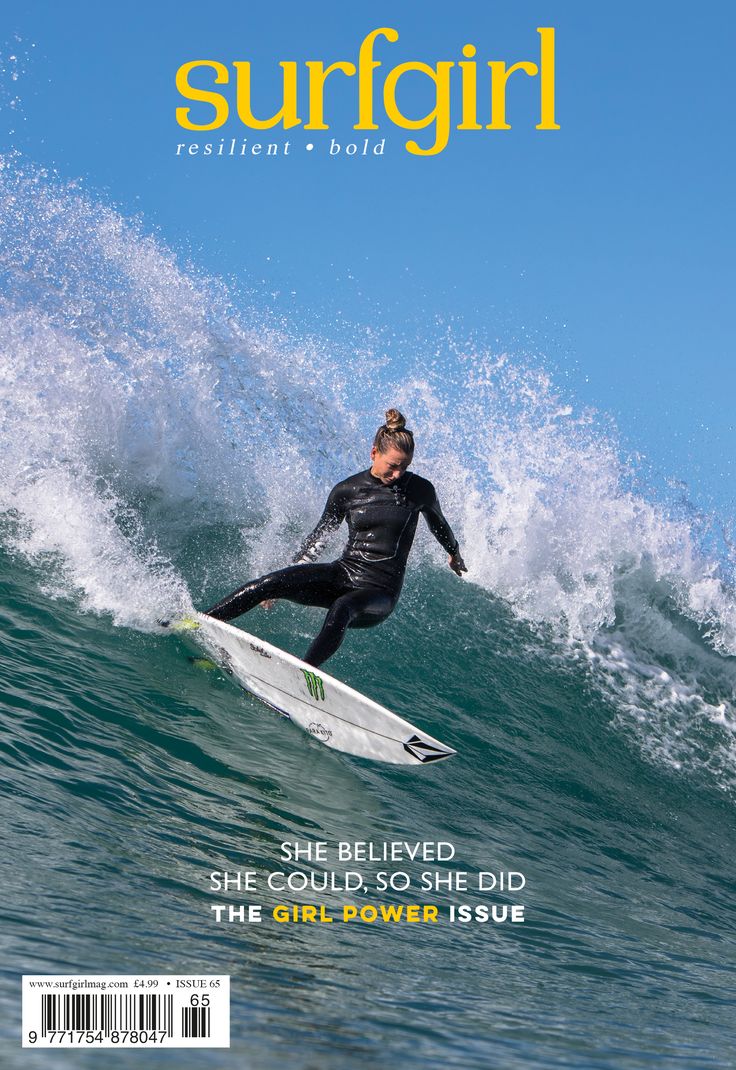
(362, 588)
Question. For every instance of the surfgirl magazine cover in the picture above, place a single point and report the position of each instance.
(368, 619)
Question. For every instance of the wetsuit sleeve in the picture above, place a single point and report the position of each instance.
(438, 525)
(332, 517)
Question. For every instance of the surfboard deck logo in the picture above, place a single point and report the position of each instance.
(315, 684)
(320, 732)
(425, 750)
(347, 720)
(259, 650)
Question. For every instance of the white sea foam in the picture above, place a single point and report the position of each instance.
(133, 393)
(140, 405)
(627, 585)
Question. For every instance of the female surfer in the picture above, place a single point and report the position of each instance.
(382, 507)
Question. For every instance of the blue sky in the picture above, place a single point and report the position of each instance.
(607, 245)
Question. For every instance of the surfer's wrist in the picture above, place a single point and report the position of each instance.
(456, 562)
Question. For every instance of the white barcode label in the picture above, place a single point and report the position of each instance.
(126, 1011)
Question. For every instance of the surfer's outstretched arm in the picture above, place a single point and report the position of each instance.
(331, 519)
(442, 532)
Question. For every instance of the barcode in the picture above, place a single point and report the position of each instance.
(151, 1010)
(195, 1021)
(108, 1013)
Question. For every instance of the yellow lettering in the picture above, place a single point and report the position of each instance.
(391, 913)
(317, 78)
(499, 78)
(287, 114)
(218, 102)
(305, 913)
(437, 118)
(366, 66)
(547, 78)
(470, 91)
(440, 115)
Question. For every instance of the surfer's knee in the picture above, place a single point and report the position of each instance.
(372, 611)
(340, 614)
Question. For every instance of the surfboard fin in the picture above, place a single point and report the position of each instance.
(204, 663)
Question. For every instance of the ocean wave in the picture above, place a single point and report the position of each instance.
(163, 441)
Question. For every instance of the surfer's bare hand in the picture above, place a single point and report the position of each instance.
(456, 563)
(268, 603)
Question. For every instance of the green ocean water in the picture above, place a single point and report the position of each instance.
(162, 444)
(130, 775)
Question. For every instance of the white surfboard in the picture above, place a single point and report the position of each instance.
(327, 709)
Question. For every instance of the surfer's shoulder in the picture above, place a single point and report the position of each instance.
(346, 488)
(358, 479)
(420, 489)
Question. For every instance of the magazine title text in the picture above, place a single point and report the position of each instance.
(481, 89)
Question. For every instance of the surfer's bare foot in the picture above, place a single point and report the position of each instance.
(180, 624)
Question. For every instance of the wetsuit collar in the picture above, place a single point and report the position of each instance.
(400, 482)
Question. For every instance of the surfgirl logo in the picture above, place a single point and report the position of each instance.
(476, 89)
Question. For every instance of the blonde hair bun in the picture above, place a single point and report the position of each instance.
(394, 434)
(394, 420)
